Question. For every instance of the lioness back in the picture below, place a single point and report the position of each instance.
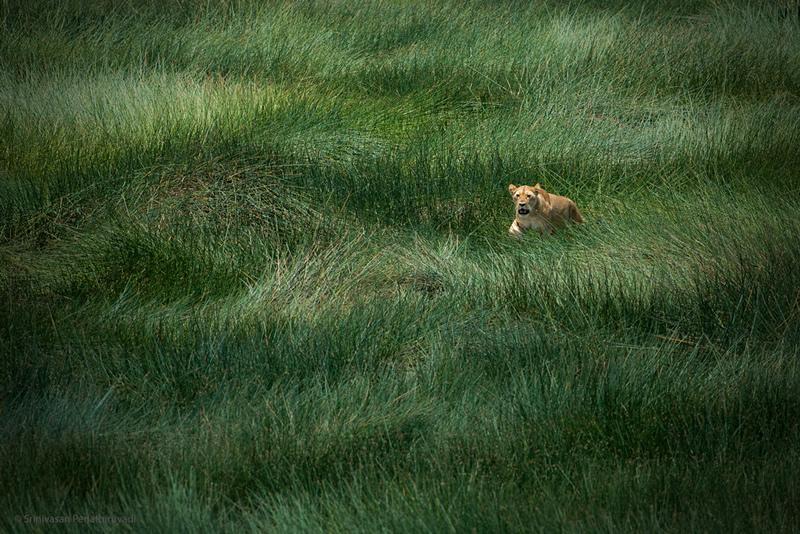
(566, 209)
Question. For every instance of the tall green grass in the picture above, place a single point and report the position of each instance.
(257, 273)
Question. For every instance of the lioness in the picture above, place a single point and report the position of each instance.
(538, 210)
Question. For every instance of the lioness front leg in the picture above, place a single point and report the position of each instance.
(515, 230)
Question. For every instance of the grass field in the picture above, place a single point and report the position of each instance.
(256, 272)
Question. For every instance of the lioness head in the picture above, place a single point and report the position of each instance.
(525, 197)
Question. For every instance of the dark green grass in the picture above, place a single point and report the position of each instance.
(256, 271)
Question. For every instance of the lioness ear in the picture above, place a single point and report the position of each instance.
(512, 188)
(537, 186)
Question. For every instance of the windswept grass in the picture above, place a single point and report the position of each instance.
(257, 274)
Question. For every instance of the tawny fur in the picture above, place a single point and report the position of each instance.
(538, 210)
